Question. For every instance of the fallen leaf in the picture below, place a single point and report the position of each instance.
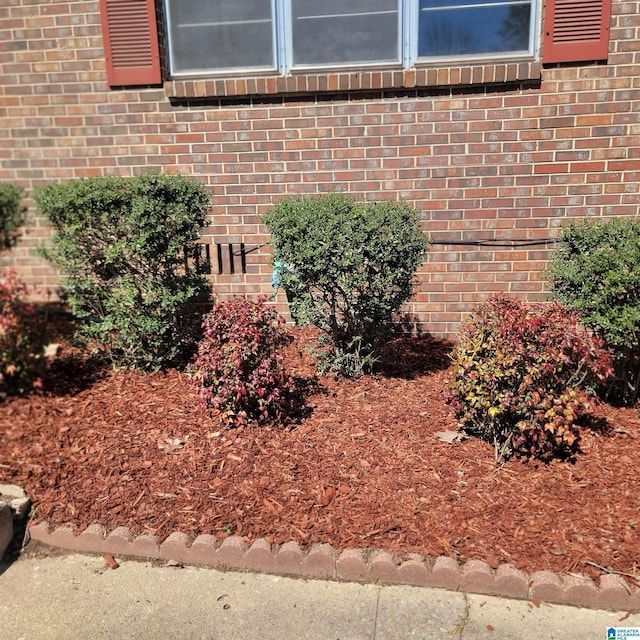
(51, 350)
(171, 444)
(451, 436)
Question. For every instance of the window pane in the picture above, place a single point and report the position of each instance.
(341, 31)
(220, 34)
(462, 27)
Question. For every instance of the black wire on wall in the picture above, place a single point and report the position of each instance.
(226, 254)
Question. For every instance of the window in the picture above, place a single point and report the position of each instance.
(335, 32)
(221, 35)
(471, 27)
(261, 36)
(235, 38)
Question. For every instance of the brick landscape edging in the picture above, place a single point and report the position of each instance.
(323, 561)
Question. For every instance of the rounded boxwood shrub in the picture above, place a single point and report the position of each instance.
(347, 266)
(238, 369)
(126, 248)
(596, 270)
(520, 372)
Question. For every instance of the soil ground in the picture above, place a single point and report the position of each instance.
(364, 467)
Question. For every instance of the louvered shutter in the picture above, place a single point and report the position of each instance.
(576, 30)
(130, 42)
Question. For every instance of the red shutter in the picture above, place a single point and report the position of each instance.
(576, 30)
(130, 42)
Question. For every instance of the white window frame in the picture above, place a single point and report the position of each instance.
(412, 59)
(292, 68)
(408, 34)
(239, 71)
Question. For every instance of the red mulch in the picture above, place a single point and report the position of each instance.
(364, 468)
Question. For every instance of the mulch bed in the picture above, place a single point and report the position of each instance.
(363, 468)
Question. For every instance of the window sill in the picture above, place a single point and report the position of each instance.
(454, 76)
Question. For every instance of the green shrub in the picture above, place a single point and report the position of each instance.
(597, 271)
(519, 375)
(126, 247)
(11, 214)
(238, 370)
(348, 267)
(21, 343)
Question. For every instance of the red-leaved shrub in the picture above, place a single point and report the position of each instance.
(238, 368)
(520, 372)
(20, 339)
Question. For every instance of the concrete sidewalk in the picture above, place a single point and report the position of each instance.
(46, 596)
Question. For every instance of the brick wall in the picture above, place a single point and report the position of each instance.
(496, 157)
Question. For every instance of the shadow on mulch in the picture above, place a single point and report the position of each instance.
(404, 355)
(70, 370)
(597, 424)
(301, 408)
(57, 322)
(410, 356)
(71, 374)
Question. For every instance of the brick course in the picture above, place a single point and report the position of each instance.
(493, 155)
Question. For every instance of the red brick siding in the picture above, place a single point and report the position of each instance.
(506, 162)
